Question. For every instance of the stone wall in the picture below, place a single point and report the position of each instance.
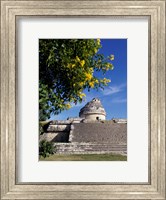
(57, 131)
(58, 128)
(94, 137)
(108, 132)
(55, 137)
(95, 116)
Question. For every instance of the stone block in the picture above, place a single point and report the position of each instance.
(58, 128)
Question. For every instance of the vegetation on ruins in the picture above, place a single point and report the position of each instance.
(46, 148)
(66, 68)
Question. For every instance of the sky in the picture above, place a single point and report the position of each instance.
(114, 96)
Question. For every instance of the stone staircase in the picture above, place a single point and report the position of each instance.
(90, 148)
(87, 138)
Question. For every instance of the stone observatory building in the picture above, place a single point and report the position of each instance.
(93, 110)
(89, 133)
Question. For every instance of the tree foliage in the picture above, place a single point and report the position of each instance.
(66, 68)
(46, 148)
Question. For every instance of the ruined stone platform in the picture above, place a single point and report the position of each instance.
(108, 132)
(90, 148)
(87, 138)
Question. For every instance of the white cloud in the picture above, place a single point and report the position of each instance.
(113, 89)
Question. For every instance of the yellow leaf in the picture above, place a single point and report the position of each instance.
(88, 76)
(82, 95)
(91, 84)
(81, 84)
(111, 57)
(68, 106)
(96, 81)
(98, 41)
(82, 63)
(77, 59)
(95, 50)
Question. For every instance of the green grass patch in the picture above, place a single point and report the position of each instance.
(85, 157)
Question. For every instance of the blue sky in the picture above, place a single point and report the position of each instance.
(114, 96)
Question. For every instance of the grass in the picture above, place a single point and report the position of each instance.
(85, 157)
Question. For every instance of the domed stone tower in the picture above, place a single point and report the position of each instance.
(93, 110)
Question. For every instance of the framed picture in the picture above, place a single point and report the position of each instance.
(83, 99)
(96, 126)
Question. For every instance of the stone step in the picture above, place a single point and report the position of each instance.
(93, 152)
(92, 147)
(87, 143)
(89, 147)
(118, 149)
(72, 148)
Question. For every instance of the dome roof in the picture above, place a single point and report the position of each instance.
(92, 107)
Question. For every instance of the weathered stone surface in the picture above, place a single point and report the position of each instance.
(120, 120)
(56, 128)
(55, 137)
(93, 110)
(75, 119)
(72, 127)
(48, 136)
(94, 137)
(90, 148)
(60, 122)
(108, 132)
(71, 136)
